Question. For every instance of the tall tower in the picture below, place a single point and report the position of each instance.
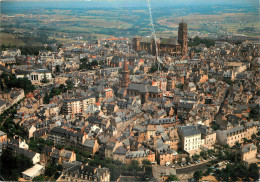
(182, 37)
(136, 43)
(153, 46)
(125, 75)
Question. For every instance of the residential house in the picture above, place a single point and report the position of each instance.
(248, 152)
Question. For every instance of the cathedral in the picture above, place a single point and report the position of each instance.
(169, 46)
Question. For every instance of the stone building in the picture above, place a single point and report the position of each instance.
(134, 89)
(170, 46)
(182, 37)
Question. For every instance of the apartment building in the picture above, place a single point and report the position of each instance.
(79, 105)
(237, 133)
(190, 137)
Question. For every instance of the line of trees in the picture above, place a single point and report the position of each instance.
(196, 41)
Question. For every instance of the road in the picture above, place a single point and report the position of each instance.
(193, 168)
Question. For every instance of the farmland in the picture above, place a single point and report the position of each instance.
(91, 20)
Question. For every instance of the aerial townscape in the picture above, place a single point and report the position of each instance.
(128, 106)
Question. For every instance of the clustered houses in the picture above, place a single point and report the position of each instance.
(237, 133)
(9, 99)
(79, 172)
(125, 109)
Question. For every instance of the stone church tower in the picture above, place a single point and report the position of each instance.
(125, 75)
(182, 37)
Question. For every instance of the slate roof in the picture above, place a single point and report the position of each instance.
(120, 151)
(189, 130)
(142, 88)
(27, 153)
(89, 143)
(235, 129)
(136, 154)
(55, 154)
(246, 148)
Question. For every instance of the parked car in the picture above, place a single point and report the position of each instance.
(167, 163)
(173, 166)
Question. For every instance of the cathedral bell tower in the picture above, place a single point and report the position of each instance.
(182, 37)
(125, 75)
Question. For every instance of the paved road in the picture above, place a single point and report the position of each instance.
(193, 168)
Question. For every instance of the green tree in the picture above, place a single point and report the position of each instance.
(195, 157)
(253, 171)
(154, 68)
(146, 163)
(39, 178)
(134, 166)
(172, 177)
(45, 80)
(211, 152)
(12, 165)
(203, 154)
(94, 63)
(70, 84)
(50, 170)
(253, 137)
(197, 175)
(46, 99)
(57, 69)
(188, 159)
(244, 140)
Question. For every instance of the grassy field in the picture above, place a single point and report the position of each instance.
(9, 39)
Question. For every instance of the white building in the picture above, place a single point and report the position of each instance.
(191, 137)
(36, 76)
(32, 172)
(79, 105)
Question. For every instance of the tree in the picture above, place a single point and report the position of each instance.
(94, 63)
(154, 68)
(197, 175)
(50, 170)
(38, 178)
(253, 137)
(45, 80)
(244, 140)
(172, 177)
(10, 81)
(195, 157)
(211, 152)
(146, 163)
(12, 165)
(70, 84)
(46, 99)
(203, 154)
(253, 171)
(57, 69)
(134, 166)
(188, 159)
